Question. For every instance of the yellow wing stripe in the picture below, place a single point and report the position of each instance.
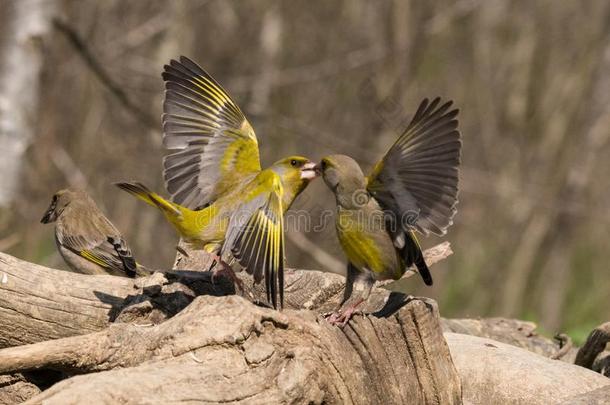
(258, 241)
(210, 105)
(92, 258)
(209, 113)
(221, 98)
(209, 88)
(278, 252)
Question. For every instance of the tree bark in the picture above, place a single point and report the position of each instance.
(14, 388)
(38, 303)
(226, 349)
(182, 339)
(596, 397)
(513, 332)
(492, 372)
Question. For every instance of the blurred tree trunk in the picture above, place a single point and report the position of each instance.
(557, 163)
(555, 274)
(24, 24)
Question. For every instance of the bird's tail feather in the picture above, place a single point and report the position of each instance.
(423, 269)
(413, 255)
(143, 193)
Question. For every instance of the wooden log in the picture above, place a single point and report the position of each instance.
(226, 349)
(38, 303)
(514, 332)
(598, 396)
(15, 389)
(492, 373)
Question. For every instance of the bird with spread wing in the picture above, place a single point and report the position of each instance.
(412, 188)
(222, 201)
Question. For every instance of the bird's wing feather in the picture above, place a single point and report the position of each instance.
(255, 236)
(213, 144)
(417, 179)
(111, 253)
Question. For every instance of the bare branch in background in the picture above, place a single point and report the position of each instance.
(326, 261)
(66, 165)
(96, 67)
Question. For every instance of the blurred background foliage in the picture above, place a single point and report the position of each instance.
(532, 80)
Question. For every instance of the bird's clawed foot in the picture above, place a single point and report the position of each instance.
(341, 317)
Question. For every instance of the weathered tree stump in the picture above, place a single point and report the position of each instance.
(226, 349)
(373, 359)
(176, 336)
(38, 303)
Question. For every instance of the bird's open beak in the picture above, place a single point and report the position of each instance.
(309, 171)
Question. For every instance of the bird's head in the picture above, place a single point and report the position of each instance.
(295, 169)
(295, 172)
(344, 177)
(59, 202)
(341, 173)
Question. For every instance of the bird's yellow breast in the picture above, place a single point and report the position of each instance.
(367, 244)
(203, 226)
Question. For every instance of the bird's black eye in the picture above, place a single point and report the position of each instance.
(293, 162)
(323, 164)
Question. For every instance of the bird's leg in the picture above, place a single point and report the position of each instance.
(363, 282)
(226, 270)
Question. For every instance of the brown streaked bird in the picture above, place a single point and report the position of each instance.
(88, 242)
(412, 188)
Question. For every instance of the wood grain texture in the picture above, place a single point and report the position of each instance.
(38, 303)
(225, 349)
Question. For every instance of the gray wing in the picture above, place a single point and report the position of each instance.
(255, 237)
(214, 146)
(417, 179)
(108, 250)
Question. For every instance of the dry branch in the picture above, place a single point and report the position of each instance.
(566, 346)
(96, 67)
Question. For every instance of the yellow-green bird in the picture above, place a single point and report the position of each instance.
(412, 188)
(222, 200)
(88, 242)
